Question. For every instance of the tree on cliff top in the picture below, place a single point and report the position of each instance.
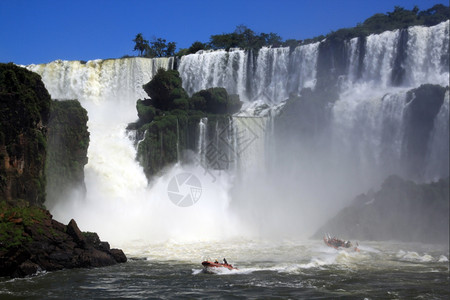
(140, 44)
(158, 47)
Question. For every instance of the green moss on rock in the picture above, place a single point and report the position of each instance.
(164, 88)
(216, 101)
(68, 141)
(168, 122)
(24, 113)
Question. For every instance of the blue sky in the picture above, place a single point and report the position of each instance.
(46, 30)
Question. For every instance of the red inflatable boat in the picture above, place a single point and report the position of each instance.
(210, 264)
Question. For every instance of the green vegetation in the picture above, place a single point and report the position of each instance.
(245, 38)
(140, 44)
(215, 101)
(164, 88)
(168, 122)
(397, 19)
(68, 140)
(13, 221)
(158, 47)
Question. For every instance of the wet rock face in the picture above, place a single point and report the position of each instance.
(46, 244)
(401, 210)
(424, 104)
(24, 111)
(67, 144)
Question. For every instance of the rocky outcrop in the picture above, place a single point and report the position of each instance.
(401, 210)
(215, 101)
(168, 124)
(24, 112)
(32, 241)
(67, 143)
(423, 106)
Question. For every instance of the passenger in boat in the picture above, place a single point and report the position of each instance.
(216, 262)
(225, 261)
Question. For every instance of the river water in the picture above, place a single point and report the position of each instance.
(266, 269)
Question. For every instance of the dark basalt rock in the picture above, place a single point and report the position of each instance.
(67, 144)
(47, 245)
(118, 255)
(24, 113)
(30, 240)
(75, 233)
(424, 104)
(401, 210)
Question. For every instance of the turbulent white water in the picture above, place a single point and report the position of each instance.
(365, 141)
(119, 205)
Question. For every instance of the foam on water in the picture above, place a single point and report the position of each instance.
(414, 256)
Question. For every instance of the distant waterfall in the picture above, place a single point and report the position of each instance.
(405, 58)
(100, 80)
(416, 56)
(215, 69)
(427, 58)
(271, 77)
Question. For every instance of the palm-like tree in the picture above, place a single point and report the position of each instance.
(140, 44)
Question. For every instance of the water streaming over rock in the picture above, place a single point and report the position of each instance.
(119, 205)
(362, 131)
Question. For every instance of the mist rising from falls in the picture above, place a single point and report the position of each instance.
(324, 156)
(119, 205)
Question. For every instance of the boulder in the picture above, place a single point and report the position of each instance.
(41, 243)
(75, 233)
(118, 255)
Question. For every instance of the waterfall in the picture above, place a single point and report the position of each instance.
(119, 204)
(272, 77)
(423, 59)
(437, 159)
(272, 74)
(379, 58)
(214, 69)
(202, 140)
(108, 89)
(250, 133)
(428, 55)
(367, 136)
(100, 80)
(329, 150)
